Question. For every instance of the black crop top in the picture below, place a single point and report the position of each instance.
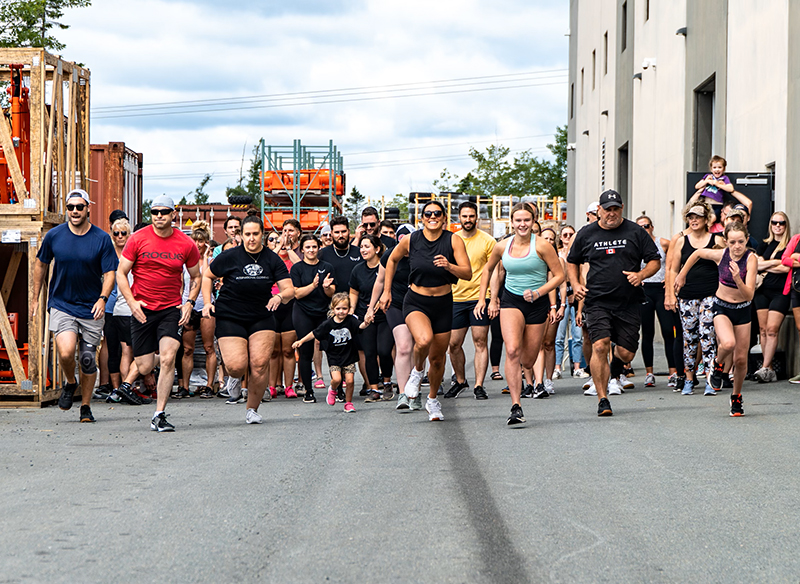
(702, 279)
(420, 257)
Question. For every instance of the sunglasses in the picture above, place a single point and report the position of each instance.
(778, 222)
(370, 224)
(118, 233)
(429, 214)
(158, 212)
(272, 239)
(567, 234)
(79, 207)
(647, 226)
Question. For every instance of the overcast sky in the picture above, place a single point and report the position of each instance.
(156, 51)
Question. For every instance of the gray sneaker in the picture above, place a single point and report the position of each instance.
(767, 375)
(402, 402)
(416, 403)
(388, 392)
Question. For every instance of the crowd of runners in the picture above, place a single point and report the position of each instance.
(395, 302)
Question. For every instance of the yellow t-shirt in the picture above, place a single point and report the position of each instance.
(479, 248)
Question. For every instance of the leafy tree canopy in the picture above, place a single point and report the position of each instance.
(28, 23)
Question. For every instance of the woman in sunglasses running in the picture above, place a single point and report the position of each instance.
(438, 260)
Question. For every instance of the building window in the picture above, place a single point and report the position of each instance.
(605, 53)
(582, 86)
(572, 101)
(646, 10)
(603, 166)
(623, 28)
(594, 65)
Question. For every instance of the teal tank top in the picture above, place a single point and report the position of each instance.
(528, 273)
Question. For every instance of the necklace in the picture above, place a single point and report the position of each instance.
(346, 251)
(255, 259)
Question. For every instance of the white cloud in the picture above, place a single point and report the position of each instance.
(160, 50)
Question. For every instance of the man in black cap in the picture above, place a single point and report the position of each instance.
(614, 248)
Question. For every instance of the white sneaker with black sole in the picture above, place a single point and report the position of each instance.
(252, 417)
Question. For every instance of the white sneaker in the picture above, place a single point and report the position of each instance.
(252, 417)
(589, 383)
(673, 380)
(234, 387)
(650, 380)
(556, 374)
(580, 373)
(434, 410)
(590, 389)
(548, 386)
(411, 388)
(625, 383)
(614, 388)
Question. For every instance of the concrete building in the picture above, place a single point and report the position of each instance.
(656, 87)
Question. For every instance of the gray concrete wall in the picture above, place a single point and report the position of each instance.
(623, 106)
(792, 207)
(572, 207)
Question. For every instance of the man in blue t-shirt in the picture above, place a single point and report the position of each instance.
(83, 277)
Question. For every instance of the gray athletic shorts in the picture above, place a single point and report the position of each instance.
(91, 330)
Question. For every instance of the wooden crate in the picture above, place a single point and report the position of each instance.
(59, 155)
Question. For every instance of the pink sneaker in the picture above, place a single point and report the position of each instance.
(349, 407)
(331, 397)
(290, 393)
(319, 383)
(273, 392)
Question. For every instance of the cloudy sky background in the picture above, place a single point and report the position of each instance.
(156, 51)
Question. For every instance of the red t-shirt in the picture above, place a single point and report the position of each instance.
(158, 266)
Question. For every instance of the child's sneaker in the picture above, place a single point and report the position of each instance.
(273, 392)
(331, 397)
(349, 408)
(290, 393)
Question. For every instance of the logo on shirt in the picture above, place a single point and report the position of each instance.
(610, 246)
(611, 251)
(352, 259)
(320, 271)
(253, 270)
(341, 336)
(161, 255)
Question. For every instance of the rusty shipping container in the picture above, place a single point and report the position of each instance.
(116, 183)
(212, 213)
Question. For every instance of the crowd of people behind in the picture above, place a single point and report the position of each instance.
(394, 302)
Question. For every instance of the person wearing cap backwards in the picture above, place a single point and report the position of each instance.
(325, 235)
(156, 256)
(83, 277)
(591, 212)
(614, 248)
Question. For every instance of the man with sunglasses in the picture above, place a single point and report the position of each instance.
(156, 256)
(371, 225)
(83, 277)
(342, 255)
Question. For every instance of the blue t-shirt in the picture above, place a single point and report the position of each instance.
(81, 261)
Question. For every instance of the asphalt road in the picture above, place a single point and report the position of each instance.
(670, 489)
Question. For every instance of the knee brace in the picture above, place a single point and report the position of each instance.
(87, 357)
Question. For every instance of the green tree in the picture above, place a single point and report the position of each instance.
(199, 195)
(353, 205)
(146, 218)
(27, 23)
(493, 173)
(445, 182)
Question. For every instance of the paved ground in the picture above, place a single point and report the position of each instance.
(671, 489)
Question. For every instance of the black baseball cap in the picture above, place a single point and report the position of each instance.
(610, 198)
(742, 208)
(116, 214)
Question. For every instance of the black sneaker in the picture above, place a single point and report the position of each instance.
(223, 393)
(715, 379)
(113, 398)
(604, 408)
(86, 414)
(456, 389)
(127, 395)
(540, 392)
(364, 390)
(340, 395)
(527, 391)
(206, 392)
(425, 381)
(505, 390)
(628, 371)
(480, 393)
(736, 405)
(727, 383)
(679, 383)
(67, 393)
(309, 397)
(516, 416)
(102, 391)
(159, 423)
(182, 393)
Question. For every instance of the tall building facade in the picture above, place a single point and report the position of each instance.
(659, 86)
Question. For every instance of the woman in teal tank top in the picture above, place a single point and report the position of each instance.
(525, 305)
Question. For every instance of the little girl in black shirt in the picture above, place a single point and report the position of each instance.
(341, 333)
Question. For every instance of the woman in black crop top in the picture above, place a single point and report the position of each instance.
(695, 301)
(736, 272)
(437, 261)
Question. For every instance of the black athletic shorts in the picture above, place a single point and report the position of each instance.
(438, 309)
(464, 316)
(738, 313)
(243, 328)
(283, 317)
(534, 312)
(160, 323)
(771, 299)
(194, 321)
(394, 317)
(122, 324)
(621, 325)
(795, 296)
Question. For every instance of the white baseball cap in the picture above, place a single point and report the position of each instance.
(592, 208)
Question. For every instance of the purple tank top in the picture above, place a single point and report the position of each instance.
(725, 277)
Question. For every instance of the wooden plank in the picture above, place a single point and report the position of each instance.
(85, 95)
(11, 344)
(16, 209)
(14, 389)
(11, 160)
(50, 149)
(11, 275)
(9, 56)
(71, 127)
(37, 357)
(36, 107)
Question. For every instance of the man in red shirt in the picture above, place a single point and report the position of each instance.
(156, 256)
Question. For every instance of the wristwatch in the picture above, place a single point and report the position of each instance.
(105, 298)
(190, 301)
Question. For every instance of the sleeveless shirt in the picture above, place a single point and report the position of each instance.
(420, 258)
(526, 273)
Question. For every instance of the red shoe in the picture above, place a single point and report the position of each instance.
(331, 397)
(290, 393)
(349, 408)
(273, 392)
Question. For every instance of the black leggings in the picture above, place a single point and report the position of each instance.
(654, 305)
(496, 344)
(113, 343)
(377, 342)
(304, 323)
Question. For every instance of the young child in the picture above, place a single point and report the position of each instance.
(340, 332)
(715, 181)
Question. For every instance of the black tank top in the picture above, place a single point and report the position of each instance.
(420, 257)
(702, 279)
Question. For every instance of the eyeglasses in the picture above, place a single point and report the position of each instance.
(158, 212)
(778, 222)
(647, 226)
(428, 214)
(118, 233)
(79, 207)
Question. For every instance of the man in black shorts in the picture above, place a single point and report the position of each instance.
(341, 255)
(614, 248)
(156, 256)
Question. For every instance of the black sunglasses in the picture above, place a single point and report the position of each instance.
(118, 233)
(272, 239)
(79, 207)
(778, 222)
(428, 214)
(158, 212)
(647, 226)
(370, 224)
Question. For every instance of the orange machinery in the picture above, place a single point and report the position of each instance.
(20, 118)
(315, 186)
(6, 374)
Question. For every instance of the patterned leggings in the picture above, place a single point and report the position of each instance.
(697, 319)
